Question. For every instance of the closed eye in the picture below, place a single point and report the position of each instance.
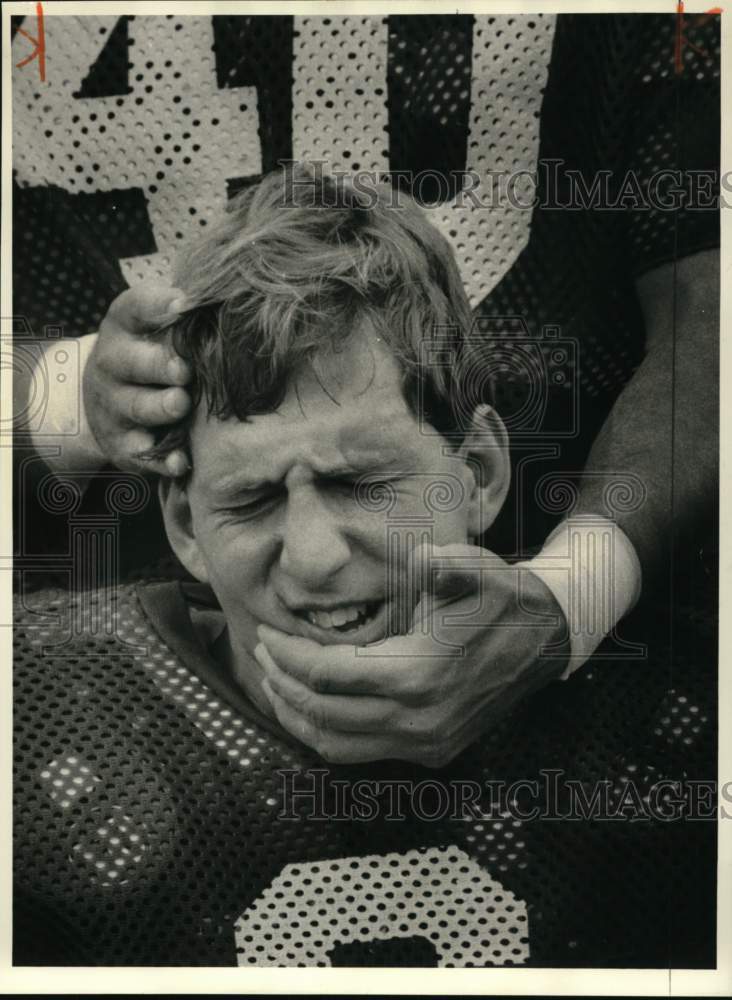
(353, 486)
(254, 506)
(341, 485)
(373, 494)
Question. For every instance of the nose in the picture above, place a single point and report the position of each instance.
(314, 546)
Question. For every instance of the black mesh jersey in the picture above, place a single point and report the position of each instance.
(160, 819)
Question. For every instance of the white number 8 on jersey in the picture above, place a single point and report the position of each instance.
(439, 894)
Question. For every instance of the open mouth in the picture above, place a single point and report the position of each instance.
(344, 619)
(359, 623)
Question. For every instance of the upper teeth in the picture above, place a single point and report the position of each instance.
(337, 617)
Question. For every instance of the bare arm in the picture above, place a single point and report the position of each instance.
(664, 426)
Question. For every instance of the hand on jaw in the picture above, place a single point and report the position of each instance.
(484, 635)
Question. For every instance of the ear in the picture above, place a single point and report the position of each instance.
(485, 451)
(174, 503)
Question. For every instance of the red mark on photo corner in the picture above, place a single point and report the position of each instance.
(682, 40)
(39, 50)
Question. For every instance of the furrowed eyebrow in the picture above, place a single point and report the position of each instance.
(356, 459)
(239, 486)
(373, 463)
(233, 487)
(363, 466)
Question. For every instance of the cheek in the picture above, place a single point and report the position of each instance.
(388, 540)
(448, 527)
(238, 560)
(433, 506)
(451, 528)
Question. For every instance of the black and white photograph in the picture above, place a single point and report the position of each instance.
(361, 436)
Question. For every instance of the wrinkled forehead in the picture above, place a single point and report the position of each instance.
(344, 412)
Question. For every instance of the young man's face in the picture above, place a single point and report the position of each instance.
(300, 518)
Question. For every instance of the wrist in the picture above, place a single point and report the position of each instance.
(592, 569)
(62, 434)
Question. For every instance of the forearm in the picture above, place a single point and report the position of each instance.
(661, 437)
(663, 429)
